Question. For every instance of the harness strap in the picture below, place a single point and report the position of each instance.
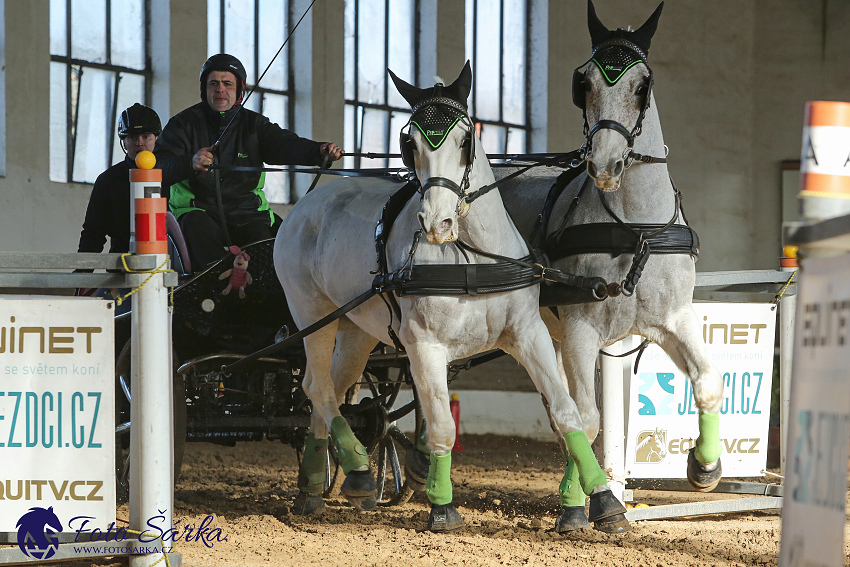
(612, 125)
(560, 158)
(611, 238)
(638, 349)
(326, 320)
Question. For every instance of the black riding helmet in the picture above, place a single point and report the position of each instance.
(224, 62)
(138, 119)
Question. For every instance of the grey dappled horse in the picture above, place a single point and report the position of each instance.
(626, 181)
(324, 253)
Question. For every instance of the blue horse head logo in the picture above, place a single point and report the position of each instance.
(35, 538)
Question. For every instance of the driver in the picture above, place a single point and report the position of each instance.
(220, 208)
(108, 212)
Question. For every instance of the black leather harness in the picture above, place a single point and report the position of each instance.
(615, 238)
(506, 274)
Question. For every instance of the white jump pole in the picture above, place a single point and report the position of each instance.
(613, 420)
(787, 310)
(151, 418)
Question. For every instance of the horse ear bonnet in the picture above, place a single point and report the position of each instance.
(614, 52)
(436, 110)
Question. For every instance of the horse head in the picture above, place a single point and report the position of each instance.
(614, 92)
(440, 148)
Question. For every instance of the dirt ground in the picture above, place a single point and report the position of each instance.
(505, 488)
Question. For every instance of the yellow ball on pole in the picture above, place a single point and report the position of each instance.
(145, 160)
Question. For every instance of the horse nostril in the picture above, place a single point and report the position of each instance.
(618, 168)
(421, 217)
(591, 168)
(446, 225)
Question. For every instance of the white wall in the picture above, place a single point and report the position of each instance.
(731, 78)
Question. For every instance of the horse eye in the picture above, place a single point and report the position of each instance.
(641, 90)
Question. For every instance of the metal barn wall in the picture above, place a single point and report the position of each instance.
(731, 80)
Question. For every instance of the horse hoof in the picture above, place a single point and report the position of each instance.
(416, 465)
(571, 518)
(603, 504)
(444, 518)
(308, 504)
(360, 490)
(617, 524)
(363, 504)
(701, 477)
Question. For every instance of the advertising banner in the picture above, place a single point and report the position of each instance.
(819, 425)
(662, 415)
(57, 416)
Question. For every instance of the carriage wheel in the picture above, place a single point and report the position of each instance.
(122, 423)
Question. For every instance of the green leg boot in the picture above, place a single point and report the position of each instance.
(359, 486)
(572, 515)
(311, 477)
(444, 516)
(606, 512)
(704, 469)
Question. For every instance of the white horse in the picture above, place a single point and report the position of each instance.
(324, 253)
(626, 182)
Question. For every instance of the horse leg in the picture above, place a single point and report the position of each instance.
(351, 351)
(428, 364)
(532, 348)
(359, 484)
(572, 515)
(313, 471)
(684, 345)
(576, 353)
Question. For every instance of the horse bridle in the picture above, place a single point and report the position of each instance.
(615, 55)
(406, 145)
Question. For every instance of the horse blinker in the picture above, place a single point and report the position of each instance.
(406, 143)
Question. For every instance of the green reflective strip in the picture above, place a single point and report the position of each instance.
(264, 203)
(438, 485)
(443, 139)
(180, 199)
(618, 77)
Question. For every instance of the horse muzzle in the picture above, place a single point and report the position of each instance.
(607, 177)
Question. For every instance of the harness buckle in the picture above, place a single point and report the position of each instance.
(628, 157)
(463, 206)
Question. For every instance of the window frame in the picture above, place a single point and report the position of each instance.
(259, 67)
(508, 126)
(359, 106)
(73, 65)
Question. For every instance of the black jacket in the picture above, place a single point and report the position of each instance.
(108, 213)
(251, 140)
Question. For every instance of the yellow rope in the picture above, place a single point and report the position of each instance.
(784, 288)
(120, 299)
(164, 553)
